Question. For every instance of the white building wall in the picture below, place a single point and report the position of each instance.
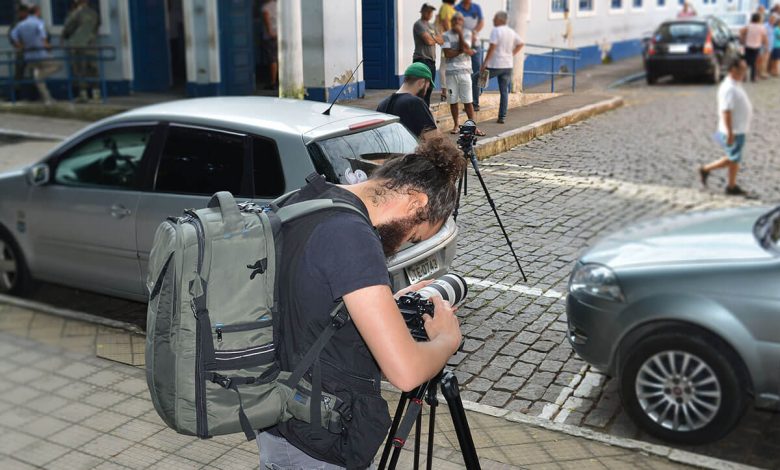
(601, 27)
(332, 47)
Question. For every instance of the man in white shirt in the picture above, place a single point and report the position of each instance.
(504, 44)
(735, 112)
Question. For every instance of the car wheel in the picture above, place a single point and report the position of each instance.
(682, 388)
(651, 78)
(714, 77)
(14, 275)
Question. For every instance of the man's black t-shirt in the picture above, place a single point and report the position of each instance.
(342, 254)
(412, 110)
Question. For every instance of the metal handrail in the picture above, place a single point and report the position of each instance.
(573, 56)
(10, 59)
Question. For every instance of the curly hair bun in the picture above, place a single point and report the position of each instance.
(443, 153)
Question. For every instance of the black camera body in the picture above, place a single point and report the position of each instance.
(413, 306)
(467, 136)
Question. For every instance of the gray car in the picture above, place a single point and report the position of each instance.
(85, 216)
(685, 311)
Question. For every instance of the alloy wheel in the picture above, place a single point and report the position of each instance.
(678, 391)
(8, 267)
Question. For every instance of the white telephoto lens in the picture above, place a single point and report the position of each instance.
(449, 287)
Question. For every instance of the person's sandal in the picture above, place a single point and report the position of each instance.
(480, 133)
(703, 174)
(443, 95)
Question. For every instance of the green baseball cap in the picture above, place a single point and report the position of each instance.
(419, 70)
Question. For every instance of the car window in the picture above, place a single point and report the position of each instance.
(109, 159)
(352, 158)
(673, 32)
(266, 168)
(201, 161)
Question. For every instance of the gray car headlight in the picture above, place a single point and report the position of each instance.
(595, 280)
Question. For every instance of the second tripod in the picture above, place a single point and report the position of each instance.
(466, 141)
(402, 424)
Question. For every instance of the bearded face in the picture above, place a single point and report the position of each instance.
(394, 234)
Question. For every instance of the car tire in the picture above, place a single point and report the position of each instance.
(683, 387)
(714, 77)
(651, 78)
(15, 277)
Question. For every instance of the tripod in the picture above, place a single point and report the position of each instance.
(399, 430)
(466, 142)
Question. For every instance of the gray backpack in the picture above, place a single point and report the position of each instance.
(211, 365)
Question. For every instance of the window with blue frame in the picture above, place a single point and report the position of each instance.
(558, 6)
(61, 8)
(637, 3)
(661, 3)
(586, 5)
(7, 12)
(616, 4)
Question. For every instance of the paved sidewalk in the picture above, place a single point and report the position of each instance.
(61, 407)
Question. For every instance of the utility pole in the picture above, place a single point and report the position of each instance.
(518, 20)
(290, 49)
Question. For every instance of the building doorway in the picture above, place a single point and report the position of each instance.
(159, 59)
(379, 30)
(176, 44)
(266, 46)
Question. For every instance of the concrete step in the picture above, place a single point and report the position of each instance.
(488, 107)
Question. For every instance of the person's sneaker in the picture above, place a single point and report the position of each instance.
(476, 107)
(736, 191)
(500, 120)
(703, 174)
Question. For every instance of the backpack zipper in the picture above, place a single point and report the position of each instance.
(200, 388)
(349, 374)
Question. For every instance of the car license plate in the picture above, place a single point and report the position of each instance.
(421, 270)
(678, 48)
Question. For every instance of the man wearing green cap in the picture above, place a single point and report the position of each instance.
(407, 103)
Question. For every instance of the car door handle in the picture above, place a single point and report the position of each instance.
(119, 211)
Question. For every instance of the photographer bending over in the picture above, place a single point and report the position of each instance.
(338, 255)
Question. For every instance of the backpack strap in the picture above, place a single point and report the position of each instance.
(339, 317)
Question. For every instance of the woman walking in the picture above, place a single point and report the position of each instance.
(753, 37)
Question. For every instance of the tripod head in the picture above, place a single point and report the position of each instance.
(467, 137)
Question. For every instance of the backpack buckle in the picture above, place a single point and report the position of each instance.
(221, 380)
(339, 318)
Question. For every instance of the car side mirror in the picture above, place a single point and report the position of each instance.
(38, 174)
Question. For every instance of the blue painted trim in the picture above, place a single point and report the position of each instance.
(327, 94)
(194, 90)
(589, 56)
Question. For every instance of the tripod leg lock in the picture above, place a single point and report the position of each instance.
(415, 406)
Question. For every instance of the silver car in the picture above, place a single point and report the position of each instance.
(685, 311)
(85, 216)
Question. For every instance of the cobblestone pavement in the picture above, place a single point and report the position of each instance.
(556, 196)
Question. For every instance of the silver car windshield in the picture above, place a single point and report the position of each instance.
(350, 159)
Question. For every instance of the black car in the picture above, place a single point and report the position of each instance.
(690, 47)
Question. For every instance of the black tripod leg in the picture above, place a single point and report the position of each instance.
(417, 432)
(398, 438)
(433, 402)
(449, 388)
(473, 158)
(457, 201)
(399, 412)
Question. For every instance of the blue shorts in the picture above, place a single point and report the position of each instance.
(734, 151)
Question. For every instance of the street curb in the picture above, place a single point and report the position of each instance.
(629, 79)
(70, 314)
(512, 138)
(675, 455)
(31, 135)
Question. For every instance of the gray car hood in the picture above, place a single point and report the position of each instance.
(696, 237)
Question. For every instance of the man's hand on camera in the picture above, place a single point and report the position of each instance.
(444, 325)
(412, 288)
